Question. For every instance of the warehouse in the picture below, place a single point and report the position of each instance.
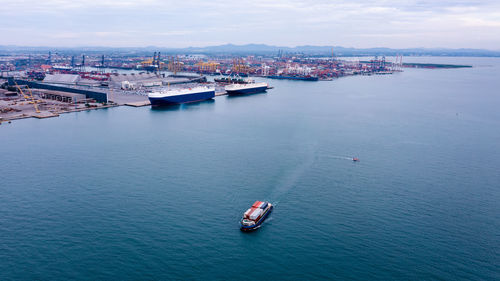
(62, 96)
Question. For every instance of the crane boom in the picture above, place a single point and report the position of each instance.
(30, 98)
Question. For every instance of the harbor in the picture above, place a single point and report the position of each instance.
(55, 83)
(140, 193)
(250, 140)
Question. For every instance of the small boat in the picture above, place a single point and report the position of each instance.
(355, 159)
(255, 216)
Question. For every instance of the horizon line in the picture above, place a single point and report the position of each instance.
(243, 45)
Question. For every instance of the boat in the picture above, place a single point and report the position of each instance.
(255, 216)
(294, 77)
(235, 80)
(355, 159)
(243, 89)
(178, 96)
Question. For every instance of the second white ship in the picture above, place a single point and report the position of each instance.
(244, 89)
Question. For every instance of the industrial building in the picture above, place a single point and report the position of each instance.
(62, 96)
(69, 79)
(88, 93)
(134, 80)
(63, 79)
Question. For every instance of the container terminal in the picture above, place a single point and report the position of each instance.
(46, 85)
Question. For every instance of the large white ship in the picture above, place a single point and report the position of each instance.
(179, 96)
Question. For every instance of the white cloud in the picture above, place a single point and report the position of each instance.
(445, 23)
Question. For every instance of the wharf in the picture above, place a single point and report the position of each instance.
(44, 114)
(138, 103)
(89, 108)
(53, 103)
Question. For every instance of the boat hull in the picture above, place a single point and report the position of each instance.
(246, 91)
(258, 223)
(179, 99)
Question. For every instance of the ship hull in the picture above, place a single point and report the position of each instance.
(179, 99)
(246, 91)
(258, 223)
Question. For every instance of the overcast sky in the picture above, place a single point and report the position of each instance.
(165, 23)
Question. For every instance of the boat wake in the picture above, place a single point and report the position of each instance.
(289, 180)
(340, 157)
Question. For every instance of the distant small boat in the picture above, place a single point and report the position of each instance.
(255, 216)
(355, 159)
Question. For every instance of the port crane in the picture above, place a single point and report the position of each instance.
(210, 66)
(240, 67)
(30, 98)
(174, 65)
(153, 64)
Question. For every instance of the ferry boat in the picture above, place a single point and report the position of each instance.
(243, 89)
(179, 96)
(255, 216)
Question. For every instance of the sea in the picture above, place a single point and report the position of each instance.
(157, 194)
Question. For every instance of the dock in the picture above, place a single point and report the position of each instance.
(138, 103)
(44, 114)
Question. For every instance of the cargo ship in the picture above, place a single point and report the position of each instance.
(179, 96)
(244, 89)
(294, 77)
(237, 80)
(255, 216)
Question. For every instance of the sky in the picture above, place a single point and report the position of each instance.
(165, 23)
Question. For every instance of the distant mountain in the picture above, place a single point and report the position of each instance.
(337, 50)
(260, 49)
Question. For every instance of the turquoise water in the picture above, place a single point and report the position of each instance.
(140, 194)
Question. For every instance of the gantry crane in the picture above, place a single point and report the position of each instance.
(240, 67)
(174, 65)
(204, 67)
